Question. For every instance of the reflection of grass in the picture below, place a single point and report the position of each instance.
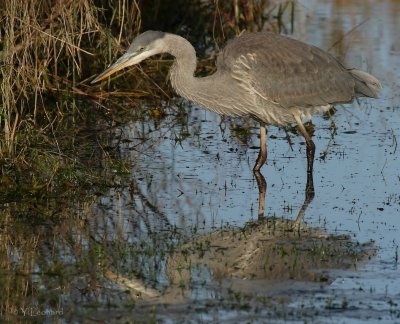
(45, 193)
(44, 171)
(243, 133)
(71, 260)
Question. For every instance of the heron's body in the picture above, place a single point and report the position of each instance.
(267, 76)
(274, 79)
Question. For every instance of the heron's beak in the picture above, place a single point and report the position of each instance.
(124, 61)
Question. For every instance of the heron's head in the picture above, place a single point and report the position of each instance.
(143, 46)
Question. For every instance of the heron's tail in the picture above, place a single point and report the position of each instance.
(366, 84)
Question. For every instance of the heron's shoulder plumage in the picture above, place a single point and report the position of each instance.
(285, 71)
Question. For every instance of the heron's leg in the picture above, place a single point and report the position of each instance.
(310, 145)
(262, 155)
(310, 160)
(309, 192)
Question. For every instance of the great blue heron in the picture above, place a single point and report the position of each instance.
(272, 78)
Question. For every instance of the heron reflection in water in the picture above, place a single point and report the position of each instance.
(271, 78)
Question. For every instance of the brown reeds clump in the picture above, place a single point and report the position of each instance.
(43, 51)
(46, 55)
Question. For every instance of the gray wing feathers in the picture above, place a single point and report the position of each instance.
(286, 71)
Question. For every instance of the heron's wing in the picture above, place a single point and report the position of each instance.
(285, 71)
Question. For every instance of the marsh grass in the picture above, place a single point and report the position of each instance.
(38, 44)
(46, 54)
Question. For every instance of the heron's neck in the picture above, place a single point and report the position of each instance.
(182, 71)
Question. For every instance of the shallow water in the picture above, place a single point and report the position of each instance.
(205, 182)
(187, 180)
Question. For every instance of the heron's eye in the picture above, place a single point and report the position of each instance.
(141, 48)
